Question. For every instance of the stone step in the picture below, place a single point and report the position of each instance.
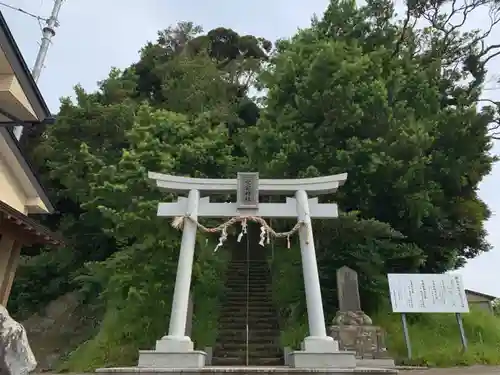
(262, 293)
(226, 315)
(251, 303)
(242, 271)
(252, 293)
(242, 287)
(241, 303)
(243, 268)
(239, 289)
(251, 355)
(235, 324)
(253, 333)
(241, 298)
(271, 343)
(254, 305)
(258, 281)
(252, 310)
(252, 339)
(241, 361)
(231, 347)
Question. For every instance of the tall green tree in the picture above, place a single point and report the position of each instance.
(353, 95)
(185, 71)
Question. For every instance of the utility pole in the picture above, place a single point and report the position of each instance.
(47, 33)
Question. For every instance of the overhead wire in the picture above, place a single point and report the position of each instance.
(25, 12)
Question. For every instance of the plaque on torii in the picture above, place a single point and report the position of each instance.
(248, 188)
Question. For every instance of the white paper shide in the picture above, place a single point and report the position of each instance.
(427, 293)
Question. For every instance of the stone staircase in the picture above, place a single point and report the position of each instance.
(248, 279)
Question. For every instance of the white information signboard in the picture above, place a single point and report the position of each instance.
(427, 293)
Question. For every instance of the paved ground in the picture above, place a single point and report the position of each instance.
(474, 370)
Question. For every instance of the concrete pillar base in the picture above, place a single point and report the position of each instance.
(156, 359)
(320, 344)
(174, 344)
(303, 359)
(172, 352)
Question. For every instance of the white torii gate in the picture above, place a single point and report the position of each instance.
(176, 349)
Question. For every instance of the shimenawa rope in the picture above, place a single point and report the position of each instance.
(265, 230)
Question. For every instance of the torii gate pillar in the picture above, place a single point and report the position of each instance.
(318, 349)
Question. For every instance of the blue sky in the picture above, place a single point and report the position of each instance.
(95, 35)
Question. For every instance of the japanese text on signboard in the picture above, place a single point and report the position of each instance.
(427, 293)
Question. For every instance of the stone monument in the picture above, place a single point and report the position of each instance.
(353, 329)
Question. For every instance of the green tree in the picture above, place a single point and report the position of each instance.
(196, 80)
(137, 281)
(341, 100)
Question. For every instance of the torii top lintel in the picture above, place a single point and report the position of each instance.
(313, 186)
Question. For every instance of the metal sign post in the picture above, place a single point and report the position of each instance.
(463, 338)
(406, 335)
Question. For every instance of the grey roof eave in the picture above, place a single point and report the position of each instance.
(22, 72)
(26, 166)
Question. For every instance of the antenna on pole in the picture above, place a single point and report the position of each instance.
(47, 33)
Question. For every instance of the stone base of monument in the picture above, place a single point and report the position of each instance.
(354, 332)
(173, 352)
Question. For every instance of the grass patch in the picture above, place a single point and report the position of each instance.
(435, 338)
(207, 293)
(288, 295)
